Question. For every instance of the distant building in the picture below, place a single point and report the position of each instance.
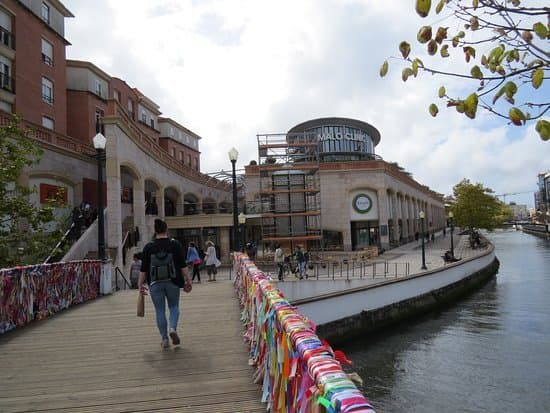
(321, 185)
(520, 212)
(542, 196)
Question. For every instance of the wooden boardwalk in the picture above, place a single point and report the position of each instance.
(100, 357)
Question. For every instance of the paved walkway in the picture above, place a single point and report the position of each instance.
(100, 357)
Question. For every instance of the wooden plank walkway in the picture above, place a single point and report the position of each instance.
(100, 357)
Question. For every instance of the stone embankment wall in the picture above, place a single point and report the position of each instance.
(369, 321)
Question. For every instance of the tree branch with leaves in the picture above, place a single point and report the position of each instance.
(508, 78)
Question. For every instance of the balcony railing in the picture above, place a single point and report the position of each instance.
(7, 82)
(7, 38)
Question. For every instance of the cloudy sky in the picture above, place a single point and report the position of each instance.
(231, 69)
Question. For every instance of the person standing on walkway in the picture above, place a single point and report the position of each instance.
(301, 260)
(280, 261)
(194, 259)
(160, 258)
(211, 261)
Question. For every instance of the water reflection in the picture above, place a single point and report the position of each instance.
(488, 353)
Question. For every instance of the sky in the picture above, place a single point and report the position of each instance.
(231, 69)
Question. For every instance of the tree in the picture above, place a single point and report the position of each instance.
(510, 40)
(24, 228)
(477, 207)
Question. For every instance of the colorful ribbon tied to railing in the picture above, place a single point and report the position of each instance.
(298, 372)
(38, 291)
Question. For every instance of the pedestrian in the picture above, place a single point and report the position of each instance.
(301, 260)
(161, 260)
(211, 261)
(416, 236)
(135, 269)
(193, 259)
(433, 236)
(280, 261)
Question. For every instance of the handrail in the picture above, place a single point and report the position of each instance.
(126, 283)
(59, 243)
(290, 360)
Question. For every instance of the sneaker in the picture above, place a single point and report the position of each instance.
(175, 338)
(164, 344)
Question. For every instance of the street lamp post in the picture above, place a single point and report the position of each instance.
(99, 145)
(451, 216)
(422, 216)
(242, 221)
(233, 156)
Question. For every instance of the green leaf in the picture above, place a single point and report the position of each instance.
(444, 50)
(499, 94)
(423, 7)
(441, 93)
(406, 73)
(434, 110)
(476, 72)
(415, 68)
(439, 6)
(537, 78)
(510, 88)
(432, 47)
(441, 34)
(405, 49)
(424, 35)
(474, 23)
(516, 116)
(475, 3)
(541, 30)
(470, 105)
(384, 69)
(543, 128)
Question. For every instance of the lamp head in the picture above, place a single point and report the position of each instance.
(99, 141)
(421, 215)
(242, 218)
(233, 154)
(451, 215)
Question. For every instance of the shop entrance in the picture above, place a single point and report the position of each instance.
(364, 234)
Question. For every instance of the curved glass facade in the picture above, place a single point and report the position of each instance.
(342, 143)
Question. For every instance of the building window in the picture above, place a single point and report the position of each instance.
(174, 153)
(47, 53)
(189, 160)
(99, 113)
(47, 90)
(196, 164)
(116, 95)
(6, 81)
(181, 156)
(152, 123)
(98, 88)
(131, 108)
(48, 122)
(6, 36)
(46, 13)
(143, 117)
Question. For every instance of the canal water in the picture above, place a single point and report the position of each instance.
(490, 352)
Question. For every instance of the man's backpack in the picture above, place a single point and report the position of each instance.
(162, 266)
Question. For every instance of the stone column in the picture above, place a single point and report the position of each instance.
(383, 217)
(139, 206)
(112, 178)
(160, 202)
(395, 216)
(224, 244)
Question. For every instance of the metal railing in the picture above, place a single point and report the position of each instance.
(125, 283)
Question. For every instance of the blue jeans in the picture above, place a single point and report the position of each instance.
(161, 292)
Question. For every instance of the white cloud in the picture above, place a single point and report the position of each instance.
(230, 69)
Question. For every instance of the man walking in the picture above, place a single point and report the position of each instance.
(162, 258)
